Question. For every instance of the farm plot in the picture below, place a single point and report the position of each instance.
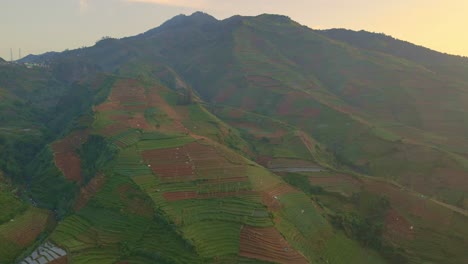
(21, 232)
(74, 234)
(87, 192)
(24, 229)
(124, 110)
(170, 164)
(128, 93)
(160, 238)
(267, 244)
(334, 182)
(397, 227)
(164, 143)
(194, 162)
(129, 163)
(83, 235)
(214, 238)
(246, 210)
(65, 156)
(271, 196)
(300, 221)
(126, 138)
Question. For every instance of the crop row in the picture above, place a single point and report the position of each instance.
(267, 244)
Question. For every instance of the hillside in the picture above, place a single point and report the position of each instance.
(246, 140)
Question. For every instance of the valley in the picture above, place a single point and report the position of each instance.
(245, 140)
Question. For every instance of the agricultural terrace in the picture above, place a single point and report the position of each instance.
(130, 107)
(195, 161)
(267, 244)
(200, 189)
(335, 182)
(21, 232)
(65, 156)
(423, 226)
(118, 224)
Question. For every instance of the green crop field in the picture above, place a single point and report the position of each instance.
(126, 138)
(184, 138)
(213, 238)
(21, 232)
(164, 143)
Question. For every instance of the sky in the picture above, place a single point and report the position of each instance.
(38, 26)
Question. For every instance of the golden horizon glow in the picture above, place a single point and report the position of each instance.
(40, 26)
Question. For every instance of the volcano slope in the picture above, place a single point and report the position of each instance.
(188, 197)
(247, 140)
(380, 112)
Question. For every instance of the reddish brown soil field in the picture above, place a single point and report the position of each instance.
(267, 244)
(62, 260)
(134, 204)
(412, 203)
(397, 227)
(270, 197)
(227, 180)
(89, 190)
(176, 196)
(193, 161)
(187, 195)
(26, 235)
(155, 99)
(66, 158)
(113, 129)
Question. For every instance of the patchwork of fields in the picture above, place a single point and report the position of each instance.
(170, 195)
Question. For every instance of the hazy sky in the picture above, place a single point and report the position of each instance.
(37, 26)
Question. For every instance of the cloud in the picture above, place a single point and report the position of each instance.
(177, 3)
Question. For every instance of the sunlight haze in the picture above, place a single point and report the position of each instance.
(55, 25)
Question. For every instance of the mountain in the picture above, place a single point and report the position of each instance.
(43, 58)
(2, 60)
(245, 140)
(433, 60)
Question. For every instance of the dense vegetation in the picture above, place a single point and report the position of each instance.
(172, 138)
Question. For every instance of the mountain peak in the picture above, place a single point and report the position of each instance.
(275, 18)
(195, 18)
(198, 18)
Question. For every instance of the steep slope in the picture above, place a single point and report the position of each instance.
(372, 110)
(247, 140)
(166, 172)
(455, 66)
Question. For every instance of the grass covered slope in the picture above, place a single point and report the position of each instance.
(371, 107)
(247, 140)
(20, 223)
(173, 195)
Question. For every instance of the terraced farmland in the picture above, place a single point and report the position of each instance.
(66, 158)
(21, 232)
(267, 244)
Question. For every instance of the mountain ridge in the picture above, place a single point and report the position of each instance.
(246, 140)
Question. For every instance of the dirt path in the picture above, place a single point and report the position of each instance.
(451, 207)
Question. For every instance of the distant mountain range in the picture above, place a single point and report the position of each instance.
(244, 140)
